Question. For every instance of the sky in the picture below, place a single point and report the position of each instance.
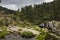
(17, 4)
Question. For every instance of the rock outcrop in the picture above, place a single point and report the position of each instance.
(54, 30)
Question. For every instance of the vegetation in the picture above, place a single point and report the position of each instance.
(27, 34)
(41, 12)
(29, 17)
(41, 36)
(3, 33)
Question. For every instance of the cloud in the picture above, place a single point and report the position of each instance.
(15, 4)
(48, 0)
(21, 1)
(10, 6)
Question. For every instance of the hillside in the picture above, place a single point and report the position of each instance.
(8, 11)
(42, 12)
(11, 23)
(25, 22)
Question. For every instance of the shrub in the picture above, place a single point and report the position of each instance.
(27, 34)
(41, 36)
(3, 32)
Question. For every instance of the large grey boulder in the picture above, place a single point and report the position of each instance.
(54, 30)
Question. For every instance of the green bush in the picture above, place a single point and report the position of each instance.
(3, 33)
(41, 36)
(27, 34)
